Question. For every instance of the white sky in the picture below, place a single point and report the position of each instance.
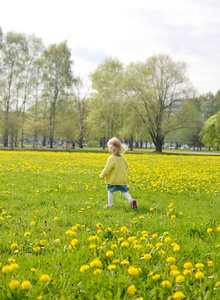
(129, 30)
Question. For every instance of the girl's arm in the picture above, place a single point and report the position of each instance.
(108, 168)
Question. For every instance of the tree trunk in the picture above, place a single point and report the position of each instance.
(81, 134)
(16, 139)
(51, 127)
(158, 144)
(22, 137)
(12, 141)
(131, 143)
(103, 145)
(44, 141)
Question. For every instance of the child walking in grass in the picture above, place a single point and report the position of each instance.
(115, 172)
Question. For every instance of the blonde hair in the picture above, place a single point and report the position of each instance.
(116, 147)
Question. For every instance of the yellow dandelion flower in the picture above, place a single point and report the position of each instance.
(124, 244)
(14, 284)
(45, 278)
(131, 238)
(120, 239)
(109, 253)
(111, 267)
(156, 277)
(124, 229)
(133, 271)
(171, 259)
(33, 270)
(209, 230)
(217, 284)
(6, 269)
(187, 272)
(147, 256)
(166, 284)
(70, 232)
(114, 246)
(173, 267)
(97, 271)
(42, 242)
(167, 240)
(14, 246)
(166, 233)
(199, 266)
(26, 285)
(27, 233)
(188, 265)
(178, 295)
(99, 225)
(33, 223)
(124, 262)
(36, 249)
(131, 290)
(150, 246)
(96, 263)
(199, 275)
(137, 247)
(93, 238)
(56, 219)
(74, 242)
(179, 278)
(14, 267)
(176, 248)
(84, 268)
(210, 263)
(175, 273)
(161, 252)
(116, 261)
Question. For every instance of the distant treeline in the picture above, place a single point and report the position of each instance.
(153, 101)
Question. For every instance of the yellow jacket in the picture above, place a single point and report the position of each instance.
(115, 170)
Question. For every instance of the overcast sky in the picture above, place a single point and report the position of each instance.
(129, 30)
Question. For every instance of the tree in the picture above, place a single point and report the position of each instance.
(81, 105)
(210, 104)
(106, 97)
(68, 121)
(210, 133)
(14, 51)
(57, 78)
(193, 122)
(28, 78)
(156, 89)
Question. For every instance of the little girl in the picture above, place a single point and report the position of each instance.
(115, 172)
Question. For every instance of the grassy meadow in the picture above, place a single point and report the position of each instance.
(58, 242)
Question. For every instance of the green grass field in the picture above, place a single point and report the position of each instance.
(58, 242)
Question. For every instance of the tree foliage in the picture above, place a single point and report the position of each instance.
(155, 89)
(147, 101)
(210, 133)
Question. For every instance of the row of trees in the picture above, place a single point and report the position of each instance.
(42, 100)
